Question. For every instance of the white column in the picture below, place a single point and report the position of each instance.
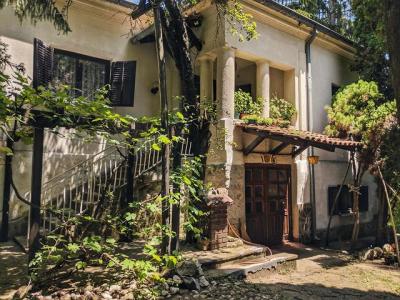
(225, 82)
(206, 79)
(263, 85)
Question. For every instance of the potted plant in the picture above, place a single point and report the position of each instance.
(281, 109)
(250, 119)
(245, 105)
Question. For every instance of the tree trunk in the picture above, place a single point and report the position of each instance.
(179, 43)
(392, 9)
(165, 207)
(358, 172)
(391, 220)
(6, 194)
(382, 216)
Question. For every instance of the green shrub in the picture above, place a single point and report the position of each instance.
(244, 104)
(281, 109)
(254, 119)
(358, 110)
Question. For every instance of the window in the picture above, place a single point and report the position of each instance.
(244, 87)
(334, 89)
(344, 203)
(85, 74)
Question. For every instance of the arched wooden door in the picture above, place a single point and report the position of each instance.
(267, 195)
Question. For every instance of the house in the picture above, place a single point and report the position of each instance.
(277, 194)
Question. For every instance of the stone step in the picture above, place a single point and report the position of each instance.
(217, 258)
(254, 267)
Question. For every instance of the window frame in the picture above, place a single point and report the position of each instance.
(105, 62)
(335, 89)
(347, 193)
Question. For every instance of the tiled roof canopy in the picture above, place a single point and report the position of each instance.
(299, 138)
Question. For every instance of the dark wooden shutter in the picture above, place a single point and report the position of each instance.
(363, 202)
(344, 201)
(43, 63)
(122, 82)
(332, 191)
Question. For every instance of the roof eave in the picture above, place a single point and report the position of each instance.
(304, 20)
(124, 3)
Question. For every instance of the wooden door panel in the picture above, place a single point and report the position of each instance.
(266, 196)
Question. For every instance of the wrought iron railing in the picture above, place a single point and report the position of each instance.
(78, 190)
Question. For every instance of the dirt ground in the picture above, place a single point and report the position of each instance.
(328, 274)
(319, 275)
(13, 269)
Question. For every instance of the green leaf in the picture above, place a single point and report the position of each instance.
(80, 265)
(164, 139)
(180, 116)
(156, 147)
(111, 241)
(7, 151)
(127, 264)
(73, 247)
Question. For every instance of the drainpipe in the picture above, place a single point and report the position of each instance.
(310, 150)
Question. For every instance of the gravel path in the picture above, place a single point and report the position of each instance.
(321, 275)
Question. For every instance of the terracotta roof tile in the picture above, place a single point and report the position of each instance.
(302, 136)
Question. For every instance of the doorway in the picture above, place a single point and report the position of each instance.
(267, 196)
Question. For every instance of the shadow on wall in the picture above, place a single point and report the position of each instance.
(61, 152)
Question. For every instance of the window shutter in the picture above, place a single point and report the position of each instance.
(363, 201)
(122, 81)
(43, 63)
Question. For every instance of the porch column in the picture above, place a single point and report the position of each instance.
(206, 79)
(263, 84)
(225, 82)
(221, 150)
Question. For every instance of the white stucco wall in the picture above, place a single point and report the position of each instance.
(103, 33)
(285, 51)
(101, 30)
(330, 68)
(94, 33)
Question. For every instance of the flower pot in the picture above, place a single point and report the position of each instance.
(243, 115)
(251, 121)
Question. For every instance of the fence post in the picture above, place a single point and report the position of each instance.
(130, 178)
(6, 194)
(36, 190)
(176, 207)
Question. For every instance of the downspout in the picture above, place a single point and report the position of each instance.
(310, 150)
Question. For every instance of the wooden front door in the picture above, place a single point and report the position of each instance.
(267, 203)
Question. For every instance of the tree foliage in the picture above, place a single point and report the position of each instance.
(360, 112)
(41, 10)
(335, 14)
(372, 60)
(392, 25)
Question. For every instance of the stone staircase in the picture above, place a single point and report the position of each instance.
(245, 261)
(80, 189)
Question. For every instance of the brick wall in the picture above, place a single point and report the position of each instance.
(218, 226)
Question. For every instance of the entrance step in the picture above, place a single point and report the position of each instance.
(254, 267)
(217, 258)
